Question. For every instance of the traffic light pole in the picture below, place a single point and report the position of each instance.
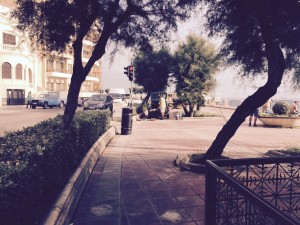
(131, 94)
(129, 72)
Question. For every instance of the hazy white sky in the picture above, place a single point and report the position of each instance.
(228, 86)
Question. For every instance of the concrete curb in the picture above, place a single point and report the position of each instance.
(65, 205)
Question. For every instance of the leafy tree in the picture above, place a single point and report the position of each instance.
(262, 36)
(152, 69)
(196, 61)
(138, 90)
(54, 24)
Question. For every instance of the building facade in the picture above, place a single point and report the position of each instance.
(22, 69)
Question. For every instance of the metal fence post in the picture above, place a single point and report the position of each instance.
(210, 196)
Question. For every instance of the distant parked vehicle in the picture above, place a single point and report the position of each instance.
(84, 96)
(47, 99)
(99, 101)
(117, 97)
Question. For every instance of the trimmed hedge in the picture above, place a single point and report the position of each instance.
(37, 162)
(281, 108)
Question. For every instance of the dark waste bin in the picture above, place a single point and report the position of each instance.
(126, 124)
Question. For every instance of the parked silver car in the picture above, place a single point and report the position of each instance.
(47, 99)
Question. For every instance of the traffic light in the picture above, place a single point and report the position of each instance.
(130, 72)
(126, 70)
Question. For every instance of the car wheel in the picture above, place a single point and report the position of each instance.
(33, 107)
(45, 105)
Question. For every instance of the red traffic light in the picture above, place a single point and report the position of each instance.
(130, 74)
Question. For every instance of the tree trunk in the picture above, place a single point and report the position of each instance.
(80, 73)
(78, 77)
(276, 66)
(72, 101)
(192, 109)
(145, 100)
(186, 111)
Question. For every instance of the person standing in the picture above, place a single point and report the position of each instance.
(266, 108)
(162, 106)
(29, 98)
(255, 115)
(294, 108)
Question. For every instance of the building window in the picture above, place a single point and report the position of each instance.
(6, 71)
(50, 86)
(86, 53)
(9, 39)
(30, 76)
(19, 71)
(50, 64)
(60, 67)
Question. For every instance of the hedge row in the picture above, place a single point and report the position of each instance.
(36, 163)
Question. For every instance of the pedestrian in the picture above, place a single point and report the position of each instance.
(162, 106)
(29, 98)
(255, 115)
(266, 108)
(294, 108)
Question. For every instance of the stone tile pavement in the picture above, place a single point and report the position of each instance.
(135, 182)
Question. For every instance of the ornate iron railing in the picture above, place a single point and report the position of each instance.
(253, 191)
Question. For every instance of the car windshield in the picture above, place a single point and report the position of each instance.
(116, 96)
(43, 96)
(98, 98)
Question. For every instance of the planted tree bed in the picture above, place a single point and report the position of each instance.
(288, 121)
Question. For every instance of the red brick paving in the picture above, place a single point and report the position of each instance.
(136, 179)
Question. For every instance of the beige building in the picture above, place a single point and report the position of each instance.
(23, 69)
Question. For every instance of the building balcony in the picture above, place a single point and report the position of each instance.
(13, 49)
(67, 74)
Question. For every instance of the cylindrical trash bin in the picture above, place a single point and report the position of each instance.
(126, 124)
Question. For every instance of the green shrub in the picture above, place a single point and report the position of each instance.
(36, 163)
(281, 108)
(205, 114)
(292, 151)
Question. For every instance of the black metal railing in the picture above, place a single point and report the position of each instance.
(15, 101)
(253, 191)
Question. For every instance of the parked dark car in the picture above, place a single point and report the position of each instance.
(99, 101)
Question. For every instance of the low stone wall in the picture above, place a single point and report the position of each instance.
(65, 205)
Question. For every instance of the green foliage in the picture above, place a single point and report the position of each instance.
(36, 163)
(138, 90)
(237, 22)
(195, 63)
(206, 114)
(292, 151)
(134, 24)
(129, 23)
(281, 108)
(152, 69)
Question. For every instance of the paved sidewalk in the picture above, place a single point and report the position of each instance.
(136, 183)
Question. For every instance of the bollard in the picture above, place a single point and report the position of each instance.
(126, 124)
